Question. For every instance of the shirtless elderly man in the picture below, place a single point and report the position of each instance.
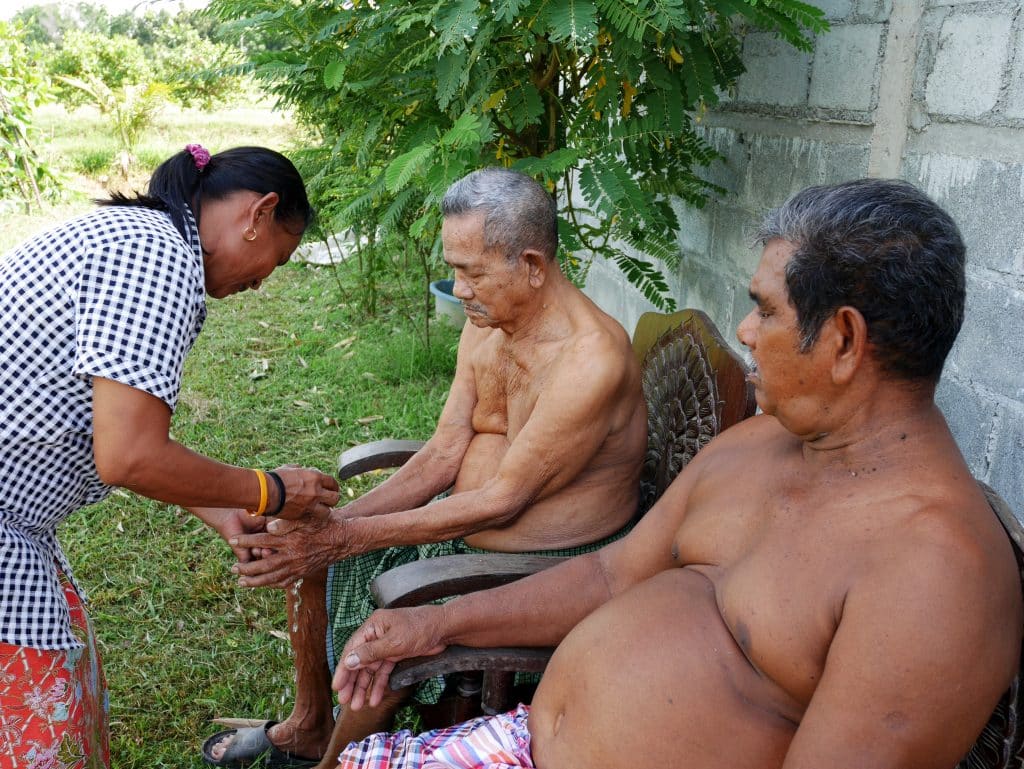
(540, 441)
(823, 586)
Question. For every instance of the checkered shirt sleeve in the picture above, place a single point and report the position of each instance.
(117, 293)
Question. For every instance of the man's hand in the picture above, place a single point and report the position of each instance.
(290, 550)
(386, 638)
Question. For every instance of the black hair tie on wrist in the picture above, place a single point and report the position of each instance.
(280, 494)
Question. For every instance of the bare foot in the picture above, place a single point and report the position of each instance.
(288, 738)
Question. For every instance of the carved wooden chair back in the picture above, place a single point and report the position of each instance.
(695, 386)
(1000, 742)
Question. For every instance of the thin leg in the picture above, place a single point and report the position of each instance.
(354, 725)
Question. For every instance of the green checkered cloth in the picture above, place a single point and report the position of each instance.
(349, 603)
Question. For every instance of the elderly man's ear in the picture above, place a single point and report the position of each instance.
(849, 342)
(537, 266)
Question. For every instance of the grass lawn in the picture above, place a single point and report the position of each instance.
(292, 373)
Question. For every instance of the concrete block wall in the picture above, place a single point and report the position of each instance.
(931, 91)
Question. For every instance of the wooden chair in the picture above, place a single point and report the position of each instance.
(695, 386)
(999, 744)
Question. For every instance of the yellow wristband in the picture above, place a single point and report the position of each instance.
(262, 478)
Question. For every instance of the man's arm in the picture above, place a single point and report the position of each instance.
(570, 421)
(434, 467)
(924, 648)
(538, 610)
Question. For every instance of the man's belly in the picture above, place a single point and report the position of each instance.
(598, 503)
(654, 678)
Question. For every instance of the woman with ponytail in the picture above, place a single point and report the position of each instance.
(96, 317)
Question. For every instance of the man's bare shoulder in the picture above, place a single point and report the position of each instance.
(759, 439)
(949, 531)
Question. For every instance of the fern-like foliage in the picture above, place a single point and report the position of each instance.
(595, 98)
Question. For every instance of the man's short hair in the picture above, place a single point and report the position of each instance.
(518, 213)
(886, 249)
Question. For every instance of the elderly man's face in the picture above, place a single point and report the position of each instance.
(486, 283)
(789, 384)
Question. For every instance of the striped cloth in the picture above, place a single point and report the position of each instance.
(488, 742)
(349, 603)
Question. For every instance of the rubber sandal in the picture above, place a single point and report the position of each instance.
(251, 747)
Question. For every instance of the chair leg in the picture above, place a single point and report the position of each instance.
(497, 688)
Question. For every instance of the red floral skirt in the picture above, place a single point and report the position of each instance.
(53, 704)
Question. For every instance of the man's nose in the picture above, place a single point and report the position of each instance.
(461, 290)
(745, 331)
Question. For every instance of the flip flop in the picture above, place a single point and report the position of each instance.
(253, 748)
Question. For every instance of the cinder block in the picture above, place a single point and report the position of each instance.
(776, 72)
(613, 293)
(874, 10)
(835, 9)
(694, 227)
(704, 288)
(984, 197)
(732, 241)
(845, 69)
(971, 418)
(780, 166)
(1015, 93)
(1006, 471)
(990, 347)
(969, 64)
(727, 172)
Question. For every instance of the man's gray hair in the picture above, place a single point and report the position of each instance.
(519, 214)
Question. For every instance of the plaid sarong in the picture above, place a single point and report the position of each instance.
(349, 603)
(488, 742)
(53, 704)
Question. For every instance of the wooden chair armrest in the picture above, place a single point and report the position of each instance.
(375, 456)
(423, 581)
(457, 659)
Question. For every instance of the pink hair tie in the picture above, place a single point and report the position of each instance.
(200, 155)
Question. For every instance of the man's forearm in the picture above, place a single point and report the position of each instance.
(538, 610)
(414, 484)
(437, 521)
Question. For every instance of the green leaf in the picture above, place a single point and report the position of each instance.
(455, 23)
(573, 21)
(508, 10)
(417, 228)
(466, 130)
(334, 74)
(626, 17)
(523, 106)
(405, 166)
(647, 278)
(450, 72)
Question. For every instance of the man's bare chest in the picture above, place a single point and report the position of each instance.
(779, 584)
(508, 387)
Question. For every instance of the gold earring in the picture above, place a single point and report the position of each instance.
(247, 236)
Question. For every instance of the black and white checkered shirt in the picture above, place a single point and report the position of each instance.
(117, 293)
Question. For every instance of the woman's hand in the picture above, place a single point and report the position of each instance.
(307, 492)
(230, 523)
